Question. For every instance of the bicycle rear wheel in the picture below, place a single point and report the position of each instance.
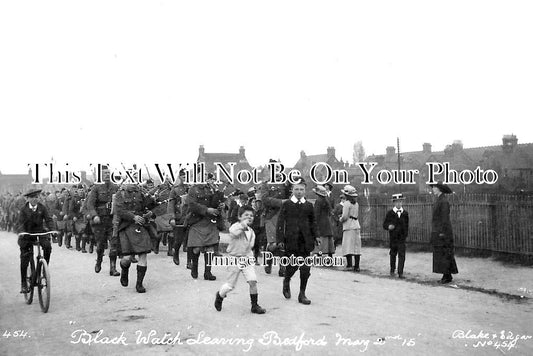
(43, 285)
(28, 297)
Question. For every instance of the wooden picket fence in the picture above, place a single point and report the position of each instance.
(498, 223)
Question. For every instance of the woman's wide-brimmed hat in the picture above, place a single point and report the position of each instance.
(32, 193)
(442, 187)
(320, 190)
(350, 191)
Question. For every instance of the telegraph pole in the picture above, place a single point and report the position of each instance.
(399, 162)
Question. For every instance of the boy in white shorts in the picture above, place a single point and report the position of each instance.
(240, 251)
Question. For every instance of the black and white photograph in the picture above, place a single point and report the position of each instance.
(266, 177)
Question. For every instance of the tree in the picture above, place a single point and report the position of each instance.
(358, 152)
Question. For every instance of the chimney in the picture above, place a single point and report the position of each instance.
(426, 147)
(241, 151)
(448, 151)
(509, 142)
(391, 151)
(457, 145)
(302, 154)
(201, 150)
(331, 152)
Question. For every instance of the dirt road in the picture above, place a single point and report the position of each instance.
(350, 313)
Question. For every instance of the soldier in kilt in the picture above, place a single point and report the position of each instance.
(133, 209)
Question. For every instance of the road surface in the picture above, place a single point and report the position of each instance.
(350, 314)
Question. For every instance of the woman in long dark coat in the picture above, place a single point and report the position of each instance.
(442, 234)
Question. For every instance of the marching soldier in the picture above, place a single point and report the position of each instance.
(76, 215)
(203, 232)
(178, 209)
(99, 206)
(61, 224)
(69, 228)
(272, 196)
(132, 208)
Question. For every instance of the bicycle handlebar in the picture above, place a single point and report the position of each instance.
(38, 233)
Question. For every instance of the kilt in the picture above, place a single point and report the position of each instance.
(61, 225)
(203, 233)
(134, 240)
(162, 222)
(79, 226)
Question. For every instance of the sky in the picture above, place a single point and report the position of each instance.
(149, 81)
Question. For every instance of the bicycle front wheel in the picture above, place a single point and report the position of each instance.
(43, 285)
(30, 272)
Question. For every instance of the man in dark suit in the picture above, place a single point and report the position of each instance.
(31, 218)
(297, 235)
(397, 223)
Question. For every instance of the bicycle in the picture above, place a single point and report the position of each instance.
(38, 276)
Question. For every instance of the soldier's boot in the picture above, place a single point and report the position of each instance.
(281, 271)
(170, 244)
(256, 309)
(303, 285)
(155, 245)
(194, 264)
(141, 271)
(78, 242)
(189, 258)
(218, 301)
(60, 239)
(356, 263)
(216, 252)
(83, 245)
(164, 239)
(99, 258)
(268, 267)
(113, 267)
(287, 287)
(125, 267)
(68, 237)
(208, 276)
(91, 247)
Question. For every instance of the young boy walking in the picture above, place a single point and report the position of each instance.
(240, 251)
(397, 223)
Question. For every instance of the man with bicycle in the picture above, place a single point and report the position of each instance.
(32, 219)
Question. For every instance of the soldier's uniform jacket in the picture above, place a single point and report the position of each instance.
(129, 202)
(100, 199)
(162, 192)
(178, 206)
(272, 196)
(74, 207)
(53, 205)
(200, 197)
(66, 204)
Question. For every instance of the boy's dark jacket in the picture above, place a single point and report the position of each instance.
(401, 225)
(295, 219)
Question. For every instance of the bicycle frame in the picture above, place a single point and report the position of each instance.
(40, 275)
